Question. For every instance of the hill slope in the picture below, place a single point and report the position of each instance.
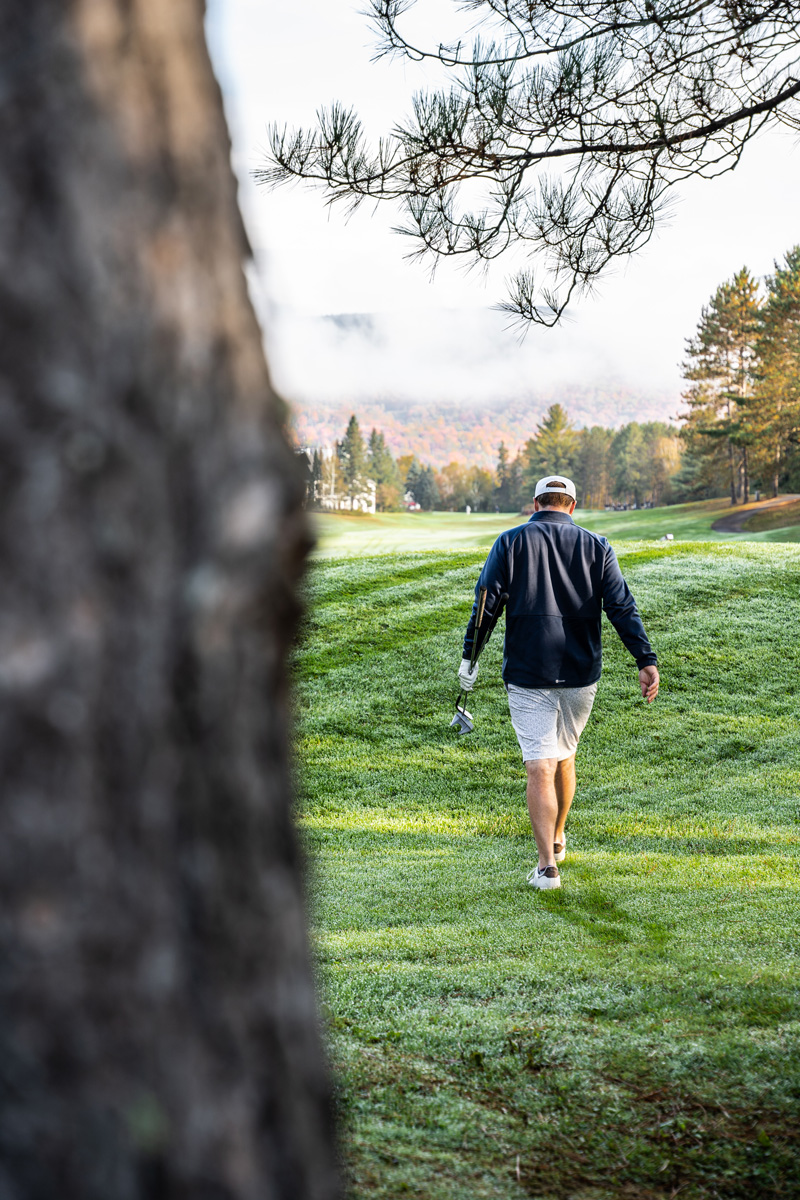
(636, 1033)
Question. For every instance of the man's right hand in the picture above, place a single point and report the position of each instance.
(648, 681)
(466, 677)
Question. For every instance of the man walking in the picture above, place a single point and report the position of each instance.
(559, 578)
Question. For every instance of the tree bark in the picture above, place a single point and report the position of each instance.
(732, 466)
(158, 1033)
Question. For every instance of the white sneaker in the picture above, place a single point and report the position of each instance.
(560, 849)
(544, 878)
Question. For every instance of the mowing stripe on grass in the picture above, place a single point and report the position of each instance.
(639, 1029)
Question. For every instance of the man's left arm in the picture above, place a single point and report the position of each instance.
(494, 577)
(621, 610)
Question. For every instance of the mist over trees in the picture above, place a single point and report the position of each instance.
(741, 431)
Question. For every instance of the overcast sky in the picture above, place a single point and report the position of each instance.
(438, 338)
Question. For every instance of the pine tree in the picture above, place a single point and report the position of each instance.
(720, 368)
(421, 483)
(502, 491)
(517, 492)
(553, 448)
(352, 455)
(775, 407)
(330, 476)
(383, 469)
(690, 481)
(316, 480)
(426, 493)
(412, 479)
(557, 129)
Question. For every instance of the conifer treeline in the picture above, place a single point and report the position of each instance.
(742, 430)
(743, 370)
(633, 465)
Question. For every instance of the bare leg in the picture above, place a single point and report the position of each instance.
(565, 790)
(543, 805)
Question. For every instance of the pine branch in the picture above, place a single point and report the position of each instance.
(575, 124)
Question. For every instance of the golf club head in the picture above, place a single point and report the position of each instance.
(463, 720)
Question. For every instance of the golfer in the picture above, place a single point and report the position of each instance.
(559, 578)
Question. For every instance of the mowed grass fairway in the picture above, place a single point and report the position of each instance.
(358, 533)
(635, 1034)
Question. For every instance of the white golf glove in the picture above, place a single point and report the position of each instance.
(466, 677)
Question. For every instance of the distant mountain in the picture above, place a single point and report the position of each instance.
(446, 431)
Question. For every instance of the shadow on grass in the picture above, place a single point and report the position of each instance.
(382, 829)
(349, 644)
(348, 581)
(691, 847)
(596, 913)
(617, 1126)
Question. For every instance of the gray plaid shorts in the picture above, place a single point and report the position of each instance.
(548, 722)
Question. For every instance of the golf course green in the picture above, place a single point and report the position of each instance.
(635, 1034)
(360, 533)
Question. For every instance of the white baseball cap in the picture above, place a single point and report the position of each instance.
(555, 483)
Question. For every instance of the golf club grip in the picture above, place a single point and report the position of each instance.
(490, 628)
(478, 621)
(481, 607)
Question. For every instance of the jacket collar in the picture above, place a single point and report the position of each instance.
(552, 515)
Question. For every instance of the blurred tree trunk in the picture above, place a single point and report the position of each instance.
(158, 1035)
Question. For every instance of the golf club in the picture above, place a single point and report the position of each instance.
(462, 719)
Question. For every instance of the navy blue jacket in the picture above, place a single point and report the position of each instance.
(559, 578)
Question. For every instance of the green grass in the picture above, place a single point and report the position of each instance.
(774, 519)
(392, 533)
(636, 1034)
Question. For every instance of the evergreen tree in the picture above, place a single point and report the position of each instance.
(637, 464)
(517, 492)
(775, 407)
(352, 455)
(330, 475)
(412, 479)
(690, 481)
(502, 491)
(721, 371)
(426, 493)
(553, 448)
(383, 469)
(421, 483)
(316, 479)
(404, 464)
